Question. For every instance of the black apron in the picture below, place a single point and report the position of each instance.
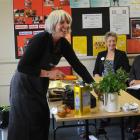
(29, 115)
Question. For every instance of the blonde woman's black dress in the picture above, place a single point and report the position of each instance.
(29, 115)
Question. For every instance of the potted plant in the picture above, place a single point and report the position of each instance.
(109, 87)
(4, 116)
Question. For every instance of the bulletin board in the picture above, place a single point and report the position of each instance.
(29, 18)
(77, 29)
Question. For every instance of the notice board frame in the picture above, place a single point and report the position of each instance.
(77, 24)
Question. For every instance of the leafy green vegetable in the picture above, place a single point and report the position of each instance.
(112, 82)
(4, 108)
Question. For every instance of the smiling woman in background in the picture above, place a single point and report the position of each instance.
(111, 59)
(29, 115)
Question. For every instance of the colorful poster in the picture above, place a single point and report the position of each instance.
(64, 2)
(28, 12)
(49, 5)
(124, 2)
(80, 45)
(134, 6)
(49, 2)
(28, 21)
(133, 46)
(79, 3)
(29, 18)
(100, 3)
(121, 43)
(22, 43)
(98, 44)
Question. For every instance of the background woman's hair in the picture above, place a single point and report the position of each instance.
(108, 34)
(55, 17)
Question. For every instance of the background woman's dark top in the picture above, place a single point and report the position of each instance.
(29, 112)
(120, 60)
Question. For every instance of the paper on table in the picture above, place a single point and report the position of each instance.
(91, 137)
(136, 87)
(57, 84)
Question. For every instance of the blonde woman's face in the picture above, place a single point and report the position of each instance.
(62, 28)
(111, 43)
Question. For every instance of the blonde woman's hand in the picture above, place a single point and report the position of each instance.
(54, 74)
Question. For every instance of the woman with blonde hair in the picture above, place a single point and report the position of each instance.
(29, 115)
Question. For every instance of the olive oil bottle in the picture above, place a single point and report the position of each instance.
(81, 99)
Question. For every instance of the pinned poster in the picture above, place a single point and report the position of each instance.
(80, 45)
(121, 42)
(119, 16)
(22, 41)
(98, 44)
(79, 3)
(100, 3)
(134, 8)
(120, 2)
(133, 46)
(29, 18)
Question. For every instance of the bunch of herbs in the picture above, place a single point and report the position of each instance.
(112, 82)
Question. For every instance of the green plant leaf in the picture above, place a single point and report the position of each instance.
(112, 82)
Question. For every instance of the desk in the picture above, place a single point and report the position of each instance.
(98, 114)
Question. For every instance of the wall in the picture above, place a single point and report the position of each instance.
(6, 30)
(8, 62)
(6, 46)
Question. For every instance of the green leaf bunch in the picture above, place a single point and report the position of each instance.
(4, 108)
(112, 82)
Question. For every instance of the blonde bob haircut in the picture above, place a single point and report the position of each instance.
(57, 16)
(112, 34)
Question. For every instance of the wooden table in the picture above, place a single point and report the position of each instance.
(98, 114)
